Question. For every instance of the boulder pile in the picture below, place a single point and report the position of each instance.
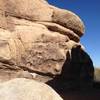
(41, 42)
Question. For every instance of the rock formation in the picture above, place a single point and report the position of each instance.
(36, 39)
(25, 89)
(77, 72)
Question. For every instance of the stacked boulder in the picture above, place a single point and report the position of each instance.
(36, 39)
(25, 89)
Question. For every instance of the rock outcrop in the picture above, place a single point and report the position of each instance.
(25, 89)
(36, 39)
(77, 72)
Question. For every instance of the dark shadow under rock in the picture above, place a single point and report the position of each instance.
(77, 72)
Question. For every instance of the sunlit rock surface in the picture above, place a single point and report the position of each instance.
(37, 41)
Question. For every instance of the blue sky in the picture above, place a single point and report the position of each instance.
(89, 12)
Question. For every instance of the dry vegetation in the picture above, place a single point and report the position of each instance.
(97, 74)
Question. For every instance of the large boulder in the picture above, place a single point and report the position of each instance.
(35, 39)
(25, 89)
(31, 46)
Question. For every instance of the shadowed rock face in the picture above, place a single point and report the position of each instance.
(35, 40)
(80, 65)
(77, 72)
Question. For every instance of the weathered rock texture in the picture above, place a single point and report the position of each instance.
(25, 89)
(35, 39)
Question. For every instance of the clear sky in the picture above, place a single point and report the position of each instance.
(89, 12)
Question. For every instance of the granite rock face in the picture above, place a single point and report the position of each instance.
(36, 39)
